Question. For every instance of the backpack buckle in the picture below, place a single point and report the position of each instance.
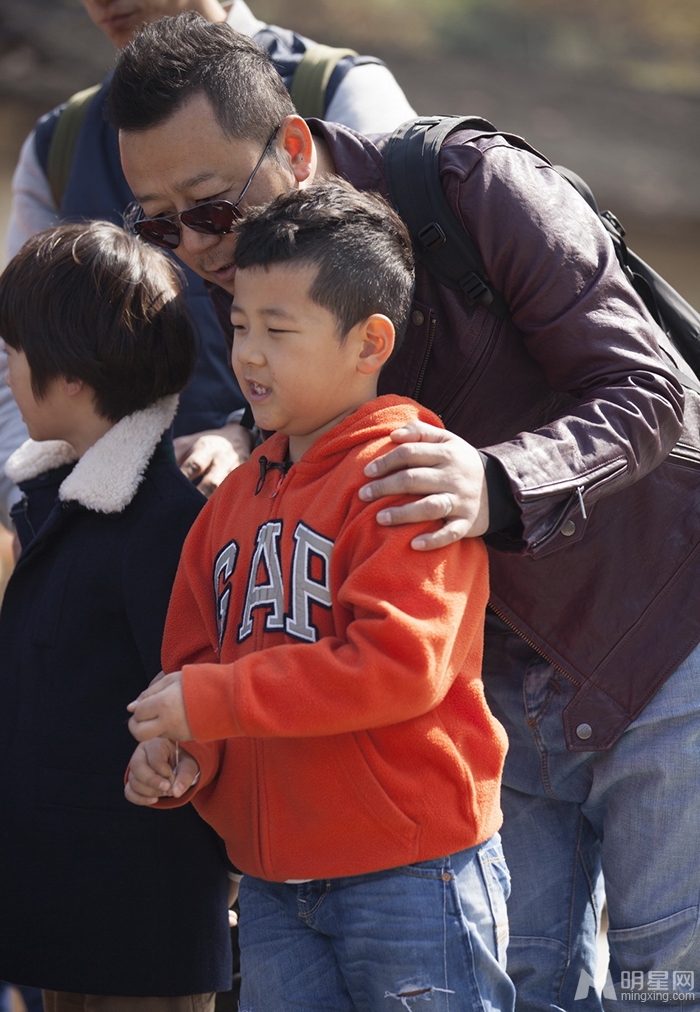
(475, 289)
(431, 236)
(614, 221)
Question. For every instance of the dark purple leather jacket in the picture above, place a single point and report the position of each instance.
(572, 394)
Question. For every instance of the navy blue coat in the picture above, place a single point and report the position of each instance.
(97, 895)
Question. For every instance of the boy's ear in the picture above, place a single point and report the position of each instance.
(295, 140)
(376, 335)
(72, 387)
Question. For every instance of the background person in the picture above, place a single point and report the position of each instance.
(99, 344)
(362, 93)
(591, 649)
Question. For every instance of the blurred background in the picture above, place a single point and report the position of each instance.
(609, 88)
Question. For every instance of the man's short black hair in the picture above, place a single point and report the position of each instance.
(93, 302)
(171, 60)
(360, 246)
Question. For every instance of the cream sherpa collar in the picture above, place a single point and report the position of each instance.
(106, 477)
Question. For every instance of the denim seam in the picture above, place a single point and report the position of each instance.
(444, 941)
(577, 858)
(410, 874)
(535, 723)
(304, 915)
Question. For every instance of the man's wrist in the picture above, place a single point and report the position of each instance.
(504, 512)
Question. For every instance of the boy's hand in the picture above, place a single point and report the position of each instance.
(447, 471)
(152, 774)
(159, 712)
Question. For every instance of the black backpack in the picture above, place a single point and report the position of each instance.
(443, 246)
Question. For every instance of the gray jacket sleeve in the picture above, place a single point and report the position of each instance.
(33, 208)
(12, 434)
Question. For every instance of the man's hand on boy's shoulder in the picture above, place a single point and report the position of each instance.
(159, 769)
(208, 457)
(159, 712)
(441, 467)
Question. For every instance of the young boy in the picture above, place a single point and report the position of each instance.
(105, 906)
(325, 676)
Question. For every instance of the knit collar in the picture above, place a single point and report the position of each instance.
(106, 477)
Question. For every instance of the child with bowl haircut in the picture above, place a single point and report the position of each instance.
(104, 906)
(324, 677)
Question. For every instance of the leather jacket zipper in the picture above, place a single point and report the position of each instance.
(533, 646)
(602, 474)
(426, 356)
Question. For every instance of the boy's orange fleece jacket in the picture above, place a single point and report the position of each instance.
(331, 674)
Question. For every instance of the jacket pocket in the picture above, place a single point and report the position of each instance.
(370, 794)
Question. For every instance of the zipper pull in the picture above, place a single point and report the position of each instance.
(282, 476)
(579, 492)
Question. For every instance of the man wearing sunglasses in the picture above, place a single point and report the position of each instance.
(361, 93)
(591, 653)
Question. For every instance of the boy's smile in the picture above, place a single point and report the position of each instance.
(288, 357)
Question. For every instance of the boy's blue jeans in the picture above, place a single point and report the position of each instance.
(433, 932)
(631, 813)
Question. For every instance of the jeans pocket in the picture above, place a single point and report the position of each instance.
(497, 881)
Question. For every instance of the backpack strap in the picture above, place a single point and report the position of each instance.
(64, 139)
(679, 321)
(308, 89)
(440, 241)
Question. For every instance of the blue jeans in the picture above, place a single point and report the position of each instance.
(429, 932)
(628, 817)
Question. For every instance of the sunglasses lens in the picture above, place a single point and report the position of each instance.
(215, 217)
(159, 231)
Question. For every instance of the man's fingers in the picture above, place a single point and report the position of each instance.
(219, 470)
(211, 458)
(182, 446)
(422, 431)
(432, 507)
(450, 532)
(409, 455)
(417, 480)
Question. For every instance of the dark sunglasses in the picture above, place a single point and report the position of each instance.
(214, 217)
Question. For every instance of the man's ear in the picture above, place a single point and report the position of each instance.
(376, 335)
(296, 141)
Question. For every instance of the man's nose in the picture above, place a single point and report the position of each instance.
(195, 242)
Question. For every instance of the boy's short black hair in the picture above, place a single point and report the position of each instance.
(95, 303)
(175, 58)
(360, 245)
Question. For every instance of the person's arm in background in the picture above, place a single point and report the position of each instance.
(33, 208)
(369, 100)
(12, 434)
